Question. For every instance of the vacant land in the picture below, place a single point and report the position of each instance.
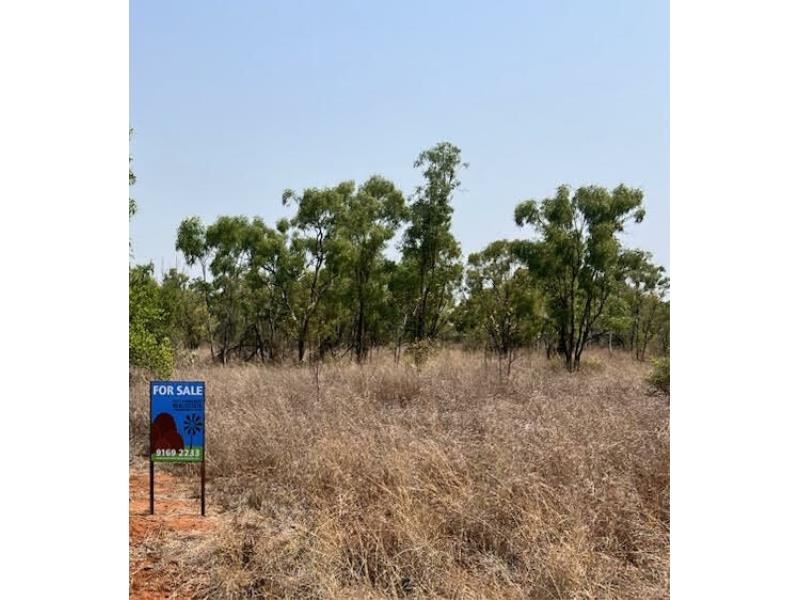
(388, 481)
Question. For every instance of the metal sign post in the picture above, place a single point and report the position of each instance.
(152, 483)
(177, 420)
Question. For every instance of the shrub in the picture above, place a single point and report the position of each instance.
(420, 351)
(659, 376)
(149, 346)
(146, 351)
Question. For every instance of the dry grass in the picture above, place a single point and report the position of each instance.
(447, 482)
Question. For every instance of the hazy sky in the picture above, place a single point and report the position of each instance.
(232, 102)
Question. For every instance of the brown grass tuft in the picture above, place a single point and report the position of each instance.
(449, 481)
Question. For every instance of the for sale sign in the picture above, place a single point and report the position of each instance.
(177, 421)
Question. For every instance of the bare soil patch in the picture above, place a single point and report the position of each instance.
(153, 575)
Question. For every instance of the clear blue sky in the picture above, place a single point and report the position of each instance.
(232, 102)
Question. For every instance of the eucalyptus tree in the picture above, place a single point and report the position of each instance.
(184, 309)
(272, 276)
(647, 287)
(193, 244)
(576, 255)
(370, 218)
(503, 299)
(315, 244)
(663, 328)
(227, 238)
(428, 245)
(401, 302)
(222, 250)
(614, 325)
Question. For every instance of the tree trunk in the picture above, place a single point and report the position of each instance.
(360, 348)
(223, 353)
(420, 333)
(572, 360)
(301, 341)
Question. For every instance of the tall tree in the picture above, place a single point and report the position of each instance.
(315, 241)
(228, 239)
(370, 219)
(271, 278)
(577, 255)
(192, 243)
(428, 244)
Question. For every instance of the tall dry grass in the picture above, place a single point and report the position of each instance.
(450, 481)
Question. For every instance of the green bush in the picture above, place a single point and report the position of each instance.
(659, 376)
(145, 351)
(149, 345)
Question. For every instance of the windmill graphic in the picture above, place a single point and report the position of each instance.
(192, 425)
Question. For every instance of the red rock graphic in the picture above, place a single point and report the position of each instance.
(164, 434)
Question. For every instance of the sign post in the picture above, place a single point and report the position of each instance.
(177, 429)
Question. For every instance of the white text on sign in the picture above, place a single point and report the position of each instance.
(178, 390)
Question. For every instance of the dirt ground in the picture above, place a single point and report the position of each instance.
(153, 576)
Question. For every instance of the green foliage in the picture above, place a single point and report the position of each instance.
(184, 310)
(149, 345)
(647, 286)
(192, 241)
(318, 252)
(145, 350)
(616, 320)
(659, 376)
(504, 306)
(429, 248)
(369, 220)
(662, 326)
(577, 256)
(319, 283)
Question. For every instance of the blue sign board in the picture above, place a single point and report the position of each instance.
(177, 421)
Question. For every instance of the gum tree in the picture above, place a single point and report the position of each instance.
(503, 301)
(576, 256)
(370, 219)
(647, 287)
(192, 243)
(314, 243)
(428, 245)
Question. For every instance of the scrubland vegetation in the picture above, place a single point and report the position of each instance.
(421, 427)
(320, 284)
(450, 480)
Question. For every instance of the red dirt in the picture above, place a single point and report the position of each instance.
(177, 514)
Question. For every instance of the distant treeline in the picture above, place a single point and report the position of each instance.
(319, 284)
